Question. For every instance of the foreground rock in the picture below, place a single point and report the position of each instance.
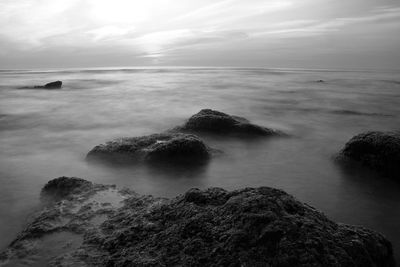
(166, 147)
(377, 150)
(52, 85)
(103, 226)
(217, 122)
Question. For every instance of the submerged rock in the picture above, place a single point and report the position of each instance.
(52, 85)
(377, 150)
(212, 121)
(214, 227)
(166, 147)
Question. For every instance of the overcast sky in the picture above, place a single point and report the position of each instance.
(250, 33)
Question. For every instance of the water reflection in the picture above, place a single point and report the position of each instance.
(375, 199)
(169, 169)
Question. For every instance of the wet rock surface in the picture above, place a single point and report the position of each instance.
(165, 147)
(212, 121)
(377, 150)
(214, 227)
(56, 235)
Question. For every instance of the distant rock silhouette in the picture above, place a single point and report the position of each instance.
(377, 150)
(52, 85)
(212, 121)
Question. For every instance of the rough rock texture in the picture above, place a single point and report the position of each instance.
(167, 147)
(64, 186)
(377, 150)
(55, 236)
(52, 85)
(213, 121)
(214, 227)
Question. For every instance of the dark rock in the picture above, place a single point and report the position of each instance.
(214, 227)
(64, 186)
(249, 227)
(167, 147)
(377, 150)
(320, 81)
(52, 85)
(56, 84)
(216, 122)
(54, 235)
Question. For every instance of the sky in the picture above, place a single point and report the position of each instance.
(352, 34)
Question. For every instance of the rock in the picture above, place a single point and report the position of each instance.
(55, 234)
(166, 147)
(377, 150)
(216, 122)
(56, 84)
(320, 81)
(52, 85)
(213, 227)
(64, 186)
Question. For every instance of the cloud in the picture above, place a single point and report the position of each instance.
(109, 33)
(157, 29)
(306, 28)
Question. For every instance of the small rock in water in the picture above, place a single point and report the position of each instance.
(377, 150)
(212, 121)
(165, 147)
(52, 85)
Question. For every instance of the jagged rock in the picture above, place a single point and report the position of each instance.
(166, 147)
(212, 121)
(214, 227)
(377, 150)
(52, 85)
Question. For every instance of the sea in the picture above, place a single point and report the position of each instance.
(46, 134)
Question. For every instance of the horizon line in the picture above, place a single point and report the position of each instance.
(197, 67)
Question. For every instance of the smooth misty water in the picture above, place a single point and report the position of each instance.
(46, 134)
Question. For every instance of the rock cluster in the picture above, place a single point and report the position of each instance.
(377, 150)
(99, 225)
(214, 227)
(176, 146)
